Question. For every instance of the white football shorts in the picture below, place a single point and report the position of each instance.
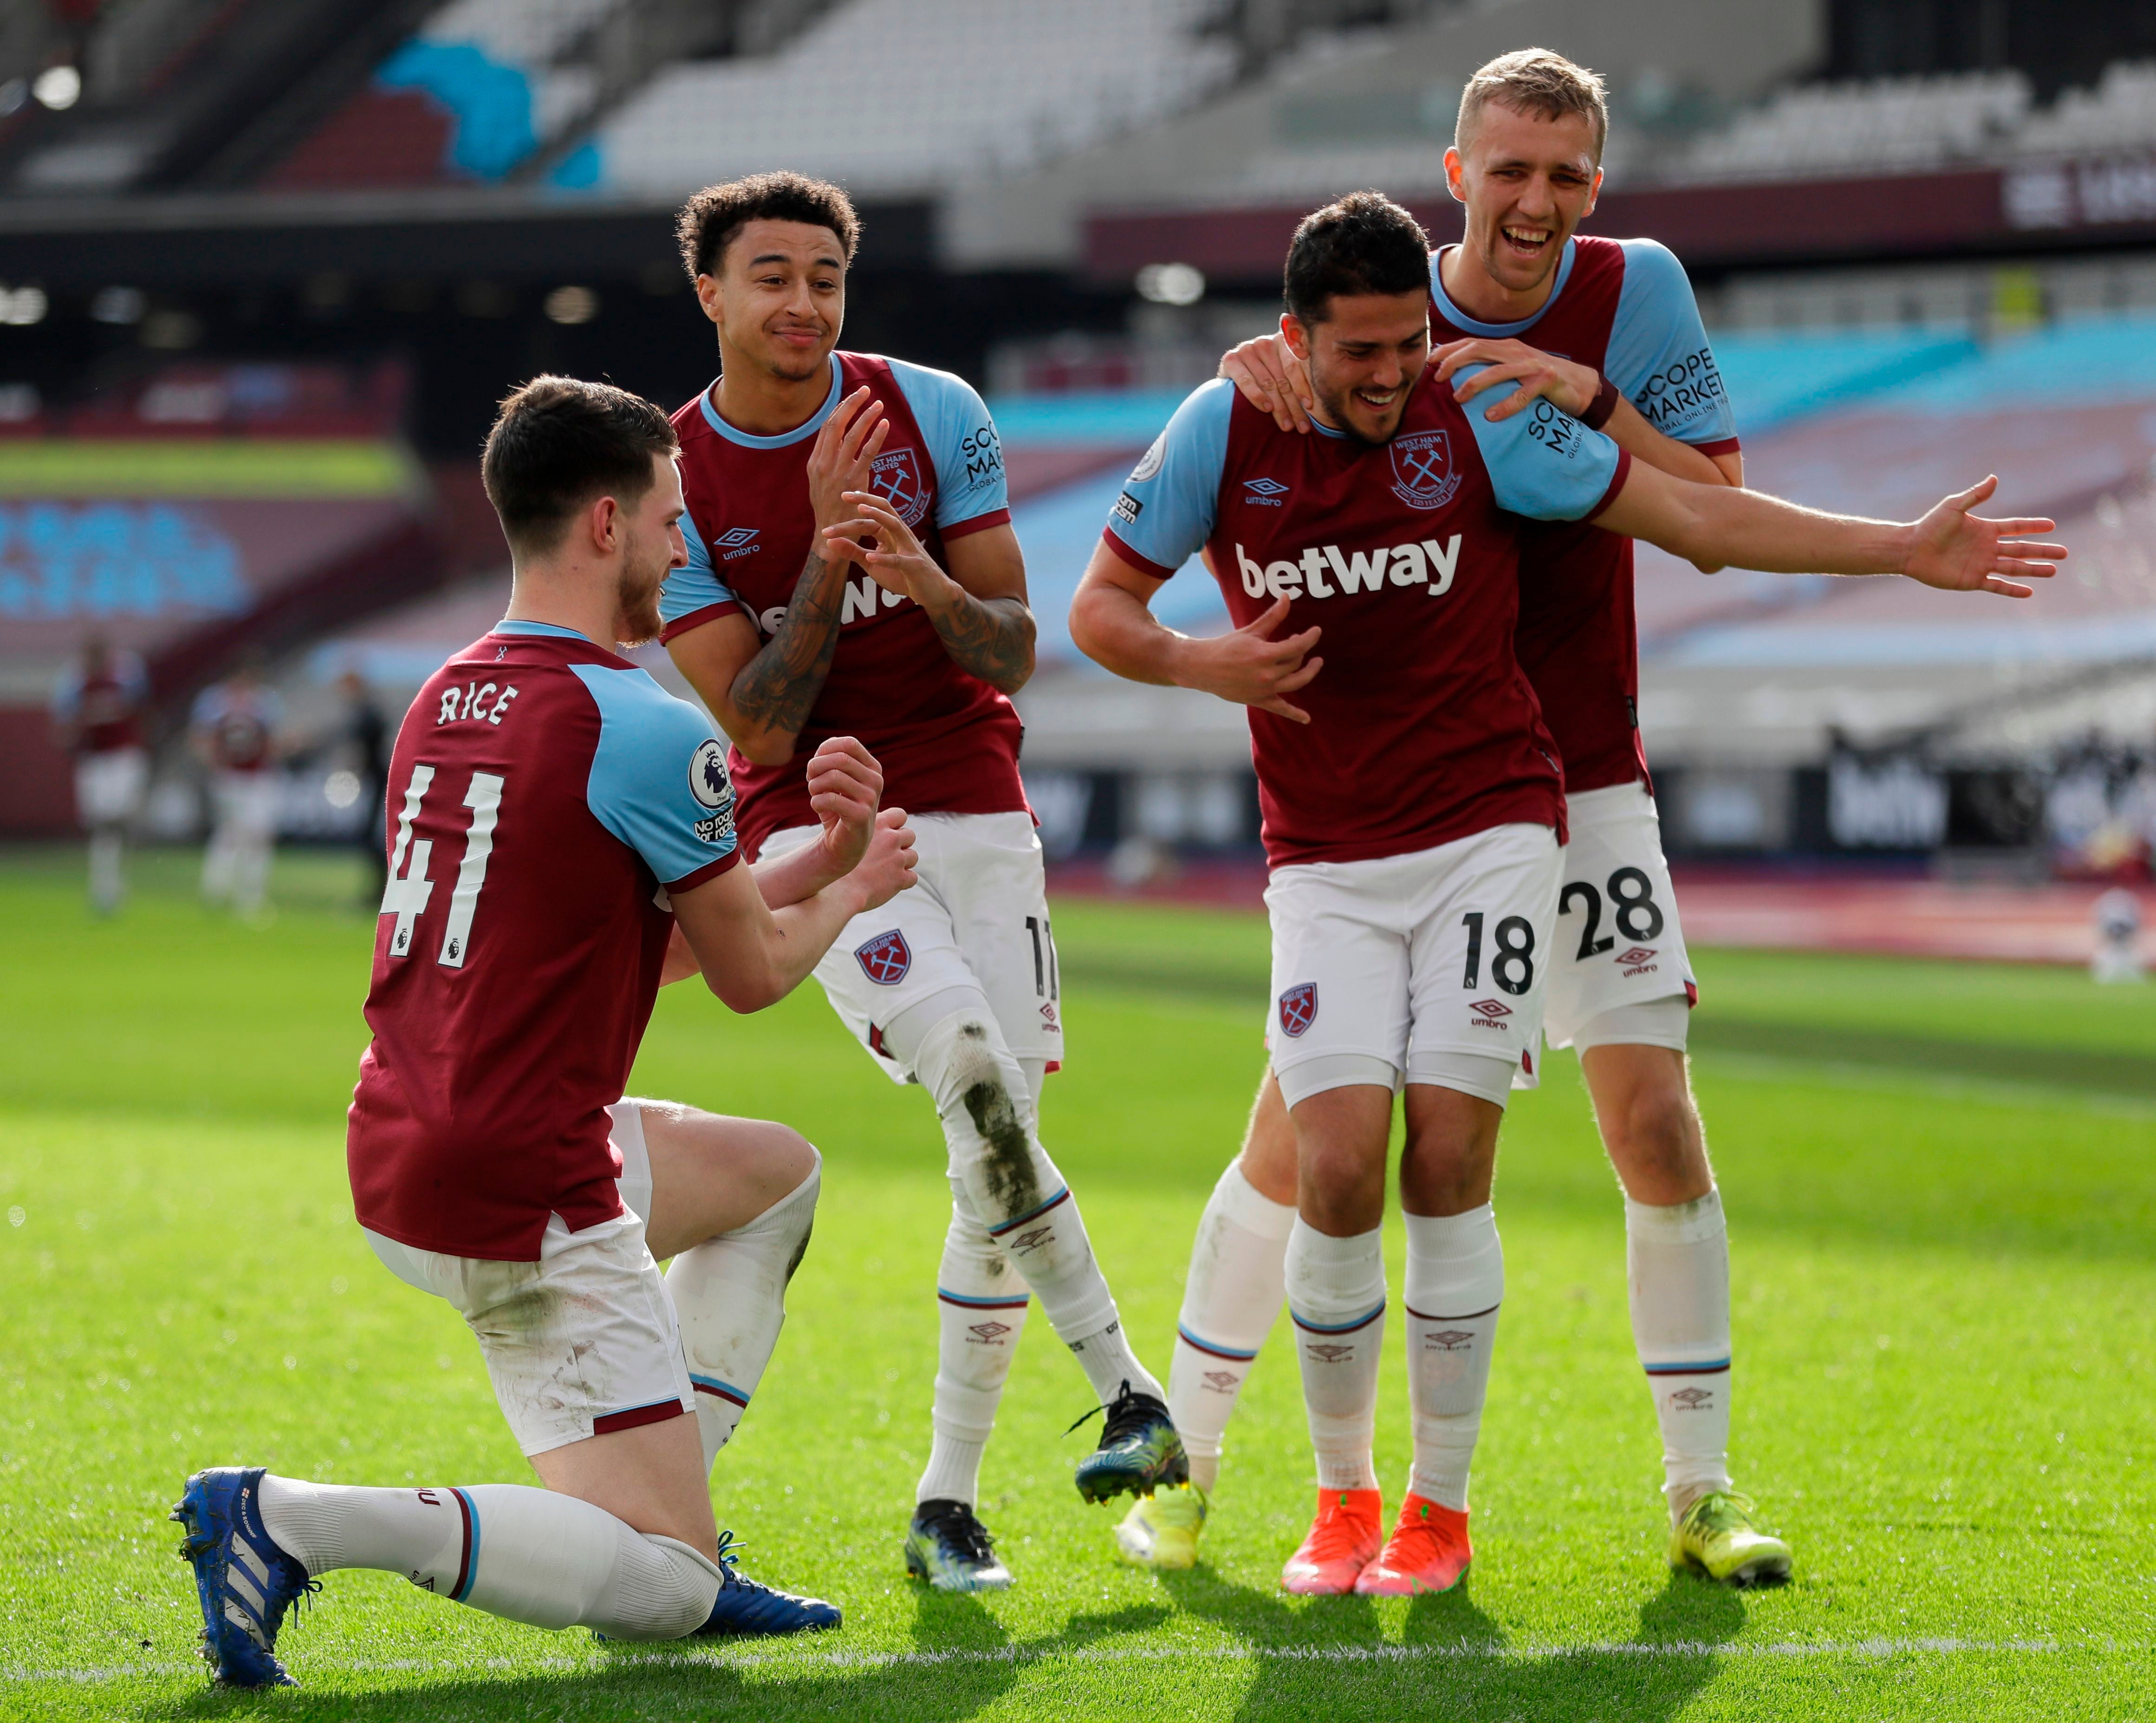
(975, 921)
(109, 785)
(1426, 967)
(246, 804)
(1618, 944)
(583, 1342)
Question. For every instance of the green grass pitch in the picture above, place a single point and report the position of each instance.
(1942, 1181)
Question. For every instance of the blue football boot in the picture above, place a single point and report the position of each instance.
(244, 1581)
(1139, 1450)
(747, 1610)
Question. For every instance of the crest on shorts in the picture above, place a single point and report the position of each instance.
(884, 959)
(1298, 1008)
(897, 474)
(1423, 475)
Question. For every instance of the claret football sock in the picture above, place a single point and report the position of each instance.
(1237, 1283)
(728, 1293)
(1455, 1283)
(527, 1555)
(1014, 1190)
(1677, 1267)
(1336, 1293)
(981, 1301)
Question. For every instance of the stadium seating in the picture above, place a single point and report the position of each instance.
(899, 96)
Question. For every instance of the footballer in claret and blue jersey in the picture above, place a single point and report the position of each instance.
(544, 796)
(1424, 729)
(1624, 307)
(946, 740)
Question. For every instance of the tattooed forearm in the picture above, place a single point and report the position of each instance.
(777, 689)
(993, 638)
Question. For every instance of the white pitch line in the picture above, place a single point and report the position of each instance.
(1322, 1654)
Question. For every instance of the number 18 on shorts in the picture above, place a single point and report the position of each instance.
(1427, 967)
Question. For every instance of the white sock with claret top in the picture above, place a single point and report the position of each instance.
(1014, 1191)
(1455, 1283)
(728, 1293)
(981, 1302)
(1237, 1283)
(527, 1555)
(1336, 1293)
(1677, 1269)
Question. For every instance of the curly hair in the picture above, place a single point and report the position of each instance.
(709, 220)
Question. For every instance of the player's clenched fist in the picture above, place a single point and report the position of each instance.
(887, 868)
(844, 454)
(1252, 669)
(845, 786)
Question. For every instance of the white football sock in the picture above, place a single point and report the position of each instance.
(1336, 1293)
(528, 1555)
(1455, 1282)
(106, 885)
(981, 1304)
(1238, 1280)
(730, 1294)
(1677, 1267)
(1014, 1190)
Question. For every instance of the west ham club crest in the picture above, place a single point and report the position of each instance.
(897, 474)
(1298, 1008)
(1423, 475)
(884, 959)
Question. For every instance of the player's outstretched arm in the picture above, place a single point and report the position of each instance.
(1111, 624)
(753, 955)
(1949, 548)
(978, 608)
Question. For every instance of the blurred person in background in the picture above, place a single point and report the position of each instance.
(234, 729)
(97, 716)
(367, 730)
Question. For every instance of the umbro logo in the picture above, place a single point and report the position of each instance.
(1265, 491)
(1329, 1352)
(1490, 1009)
(735, 541)
(1222, 1382)
(1692, 1399)
(1031, 1241)
(1448, 1340)
(988, 1333)
(1638, 954)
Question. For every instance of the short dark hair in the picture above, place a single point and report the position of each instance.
(560, 443)
(709, 220)
(1365, 242)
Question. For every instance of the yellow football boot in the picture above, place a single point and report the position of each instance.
(1715, 1536)
(1161, 1529)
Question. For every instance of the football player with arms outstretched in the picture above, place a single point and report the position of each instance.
(1413, 804)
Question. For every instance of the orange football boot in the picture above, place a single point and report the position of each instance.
(1428, 1551)
(1343, 1539)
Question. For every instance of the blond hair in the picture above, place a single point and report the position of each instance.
(1537, 81)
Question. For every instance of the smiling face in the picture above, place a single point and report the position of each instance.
(651, 544)
(1365, 358)
(778, 297)
(1527, 182)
